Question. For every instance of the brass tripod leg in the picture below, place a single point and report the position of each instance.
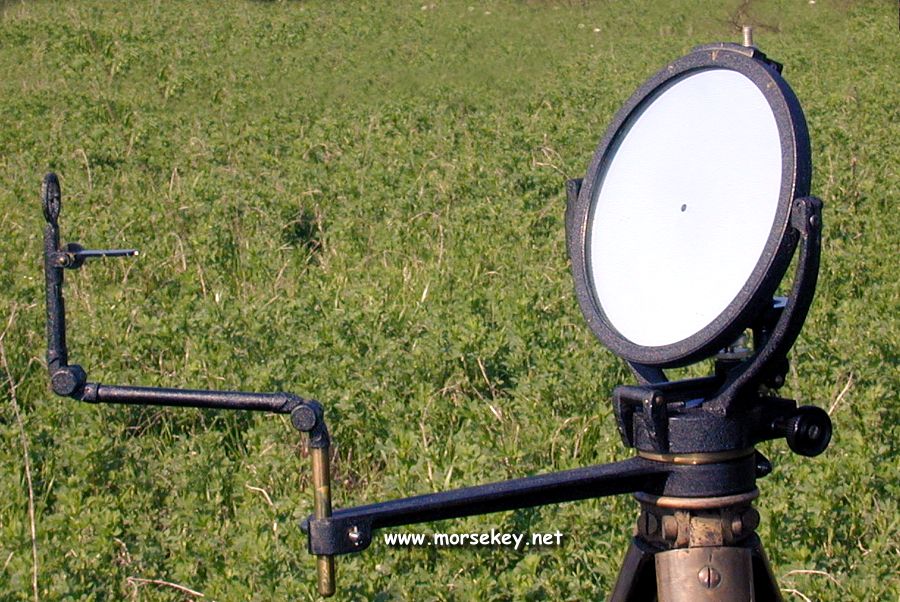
(707, 574)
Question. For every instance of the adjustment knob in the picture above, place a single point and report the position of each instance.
(808, 432)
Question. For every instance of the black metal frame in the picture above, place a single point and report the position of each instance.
(720, 417)
(695, 439)
(772, 264)
(70, 380)
(737, 410)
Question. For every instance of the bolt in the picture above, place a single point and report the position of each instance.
(63, 382)
(354, 536)
(748, 36)
(670, 527)
(750, 519)
(66, 381)
(763, 465)
(709, 577)
(737, 525)
(814, 432)
(649, 523)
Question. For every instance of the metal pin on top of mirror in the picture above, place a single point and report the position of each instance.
(748, 36)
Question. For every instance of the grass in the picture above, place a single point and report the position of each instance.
(364, 203)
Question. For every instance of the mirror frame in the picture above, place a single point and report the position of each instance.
(756, 294)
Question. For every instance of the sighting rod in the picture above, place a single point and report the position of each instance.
(277, 403)
(70, 380)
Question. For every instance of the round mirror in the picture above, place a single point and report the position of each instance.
(681, 227)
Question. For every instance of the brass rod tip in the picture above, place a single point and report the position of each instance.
(325, 574)
(748, 36)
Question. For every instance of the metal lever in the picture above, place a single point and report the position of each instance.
(73, 255)
(92, 253)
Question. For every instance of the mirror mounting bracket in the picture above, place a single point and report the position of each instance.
(734, 408)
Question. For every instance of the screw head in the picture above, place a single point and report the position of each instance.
(737, 526)
(354, 536)
(709, 577)
(652, 524)
(670, 527)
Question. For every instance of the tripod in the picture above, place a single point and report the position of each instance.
(696, 549)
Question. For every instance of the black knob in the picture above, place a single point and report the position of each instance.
(808, 432)
(303, 417)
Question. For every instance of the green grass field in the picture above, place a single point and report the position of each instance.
(363, 203)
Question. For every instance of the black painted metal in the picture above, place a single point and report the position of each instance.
(577, 484)
(808, 430)
(350, 529)
(278, 403)
(733, 409)
(51, 199)
(71, 380)
(806, 220)
(729, 411)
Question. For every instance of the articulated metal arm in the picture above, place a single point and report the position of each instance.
(350, 530)
(71, 380)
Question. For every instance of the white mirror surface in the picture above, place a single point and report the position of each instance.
(685, 208)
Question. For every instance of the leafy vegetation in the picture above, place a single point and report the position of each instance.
(364, 203)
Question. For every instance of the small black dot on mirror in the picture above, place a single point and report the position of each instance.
(683, 208)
